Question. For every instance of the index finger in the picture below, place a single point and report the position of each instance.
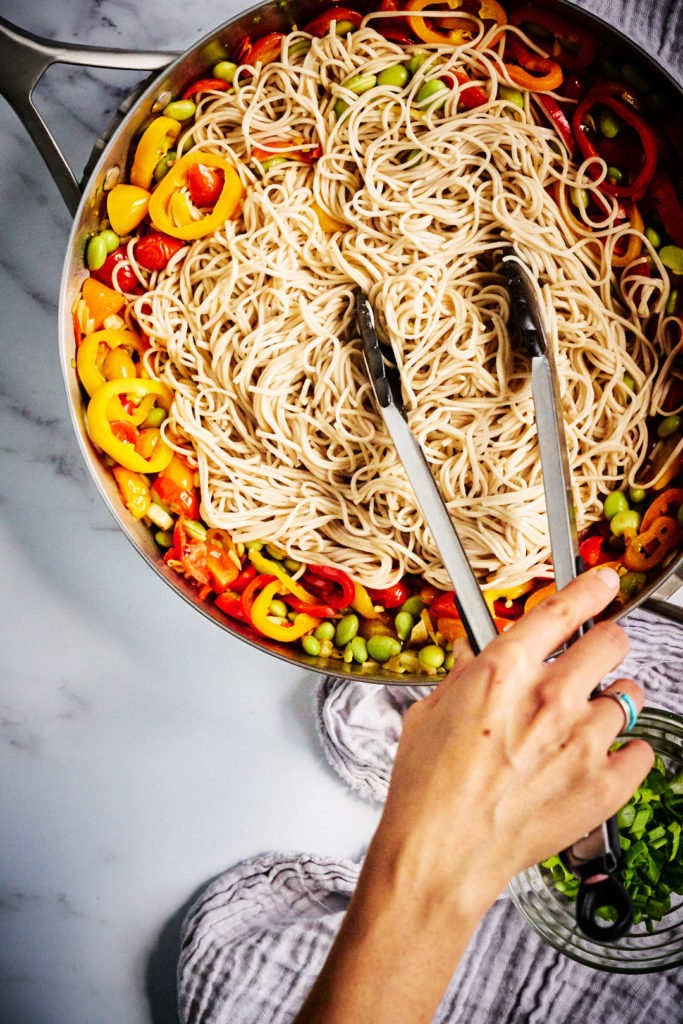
(546, 627)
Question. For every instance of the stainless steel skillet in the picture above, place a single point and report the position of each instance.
(24, 58)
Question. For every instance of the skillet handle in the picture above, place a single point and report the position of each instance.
(24, 58)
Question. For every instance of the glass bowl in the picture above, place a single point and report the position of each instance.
(552, 915)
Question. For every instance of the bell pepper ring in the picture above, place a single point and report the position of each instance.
(154, 143)
(635, 243)
(267, 566)
(93, 350)
(648, 548)
(261, 621)
(637, 188)
(99, 425)
(320, 25)
(666, 504)
(562, 31)
(206, 85)
(226, 205)
(531, 71)
(337, 577)
(264, 50)
(488, 10)
(230, 603)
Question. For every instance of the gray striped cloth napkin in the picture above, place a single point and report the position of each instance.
(255, 940)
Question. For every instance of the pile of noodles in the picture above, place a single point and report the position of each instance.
(254, 326)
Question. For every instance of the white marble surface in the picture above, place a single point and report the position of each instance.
(142, 750)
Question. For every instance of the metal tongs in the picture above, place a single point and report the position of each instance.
(594, 857)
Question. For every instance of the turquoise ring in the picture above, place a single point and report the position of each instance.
(627, 705)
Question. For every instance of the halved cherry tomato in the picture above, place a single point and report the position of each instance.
(205, 184)
(124, 431)
(590, 550)
(180, 500)
(265, 50)
(444, 605)
(390, 597)
(471, 96)
(154, 251)
(320, 26)
(117, 261)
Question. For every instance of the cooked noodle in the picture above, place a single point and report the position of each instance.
(254, 329)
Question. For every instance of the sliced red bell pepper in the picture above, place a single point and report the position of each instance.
(244, 578)
(559, 121)
(230, 603)
(204, 84)
(508, 611)
(563, 31)
(390, 597)
(573, 87)
(318, 611)
(343, 582)
(320, 25)
(251, 590)
(266, 49)
(444, 605)
(668, 205)
(583, 130)
(471, 95)
(674, 395)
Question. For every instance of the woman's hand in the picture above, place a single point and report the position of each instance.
(504, 764)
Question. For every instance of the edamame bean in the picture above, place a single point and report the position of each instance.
(679, 516)
(615, 502)
(275, 552)
(416, 62)
(629, 382)
(291, 564)
(429, 90)
(342, 28)
(635, 77)
(415, 157)
(291, 616)
(253, 545)
(631, 582)
(110, 239)
(413, 605)
(155, 417)
(623, 521)
(609, 124)
(579, 198)
(637, 494)
(360, 83)
(195, 530)
(537, 31)
(615, 175)
(449, 662)
(673, 303)
(381, 648)
(348, 654)
(512, 96)
(96, 253)
(359, 649)
(273, 161)
(180, 110)
(165, 164)
(610, 68)
(325, 631)
(340, 108)
(278, 608)
(225, 70)
(653, 237)
(672, 257)
(164, 538)
(432, 656)
(310, 645)
(404, 623)
(669, 425)
(397, 75)
(346, 630)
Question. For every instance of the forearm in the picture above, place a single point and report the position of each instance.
(396, 951)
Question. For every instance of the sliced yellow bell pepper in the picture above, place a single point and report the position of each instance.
(260, 611)
(99, 424)
(134, 491)
(509, 594)
(180, 209)
(326, 221)
(362, 602)
(154, 143)
(90, 357)
(126, 208)
(177, 178)
(269, 567)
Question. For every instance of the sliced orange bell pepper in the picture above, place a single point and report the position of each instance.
(451, 629)
(489, 10)
(667, 504)
(649, 547)
(134, 491)
(160, 208)
(635, 244)
(126, 207)
(154, 143)
(326, 221)
(101, 301)
(539, 595)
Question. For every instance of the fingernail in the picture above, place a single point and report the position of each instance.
(608, 576)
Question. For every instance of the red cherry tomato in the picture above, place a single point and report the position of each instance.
(590, 550)
(126, 281)
(391, 597)
(154, 251)
(266, 49)
(205, 184)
